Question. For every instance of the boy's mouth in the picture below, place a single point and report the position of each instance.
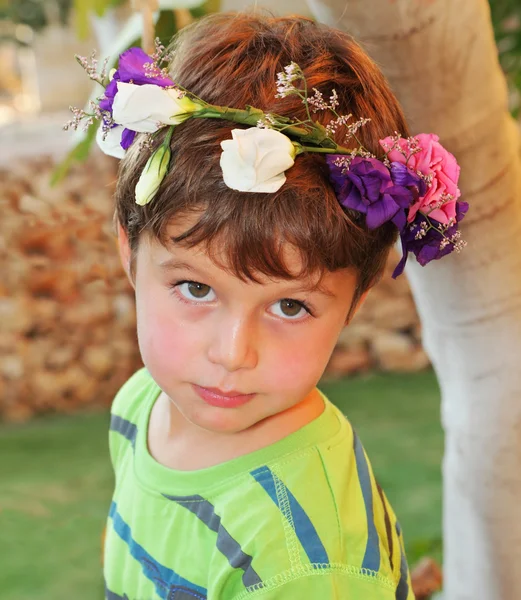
(217, 397)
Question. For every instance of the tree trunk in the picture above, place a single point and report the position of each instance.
(440, 58)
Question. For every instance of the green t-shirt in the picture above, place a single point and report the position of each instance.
(300, 519)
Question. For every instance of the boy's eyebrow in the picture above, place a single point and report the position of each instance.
(173, 264)
(315, 288)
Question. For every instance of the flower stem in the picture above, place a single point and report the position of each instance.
(244, 117)
(337, 150)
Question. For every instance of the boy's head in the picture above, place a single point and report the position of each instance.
(232, 60)
(198, 252)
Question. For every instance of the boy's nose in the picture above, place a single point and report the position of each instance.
(234, 344)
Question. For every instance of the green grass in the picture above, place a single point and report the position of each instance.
(54, 496)
(56, 483)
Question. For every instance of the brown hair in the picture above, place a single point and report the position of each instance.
(232, 60)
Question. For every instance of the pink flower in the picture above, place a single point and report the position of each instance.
(437, 163)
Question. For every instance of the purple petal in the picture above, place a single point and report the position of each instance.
(381, 212)
(127, 137)
(401, 195)
(431, 251)
(461, 210)
(373, 186)
(405, 177)
(403, 261)
(131, 68)
(110, 92)
(353, 199)
(400, 220)
(372, 164)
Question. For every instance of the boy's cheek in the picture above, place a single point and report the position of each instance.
(300, 367)
(164, 345)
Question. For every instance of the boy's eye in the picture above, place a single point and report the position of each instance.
(193, 290)
(290, 308)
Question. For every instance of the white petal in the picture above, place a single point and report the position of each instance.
(269, 138)
(245, 144)
(270, 186)
(236, 174)
(146, 108)
(255, 159)
(112, 143)
(272, 163)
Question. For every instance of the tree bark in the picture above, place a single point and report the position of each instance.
(440, 58)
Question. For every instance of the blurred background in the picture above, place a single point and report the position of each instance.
(67, 322)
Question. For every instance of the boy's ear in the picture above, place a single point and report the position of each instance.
(124, 252)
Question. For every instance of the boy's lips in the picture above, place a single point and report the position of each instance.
(217, 397)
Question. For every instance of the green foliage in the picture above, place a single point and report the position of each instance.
(205, 8)
(83, 9)
(506, 18)
(38, 14)
(79, 153)
(34, 13)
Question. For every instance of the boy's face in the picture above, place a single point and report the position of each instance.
(205, 334)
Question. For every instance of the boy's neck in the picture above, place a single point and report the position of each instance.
(171, 440)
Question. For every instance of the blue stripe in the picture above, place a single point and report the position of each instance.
(164, 579)
(402, 591)
(124, 427)
(372, 550)
(113, 596)
(304, 528)
(205, 512)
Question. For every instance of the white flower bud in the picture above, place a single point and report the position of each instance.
(152, 175)
(255, 159)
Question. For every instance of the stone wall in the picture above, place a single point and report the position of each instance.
(67, 321)
(67, 336)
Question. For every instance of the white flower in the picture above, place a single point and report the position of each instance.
(146, 108)
(111, 145)
(255, 159)
(152, 175)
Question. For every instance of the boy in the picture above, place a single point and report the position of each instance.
(235, 477)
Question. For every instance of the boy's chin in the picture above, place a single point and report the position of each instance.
(225, 421)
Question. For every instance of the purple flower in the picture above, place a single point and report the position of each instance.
(430, 245)
(368, 187)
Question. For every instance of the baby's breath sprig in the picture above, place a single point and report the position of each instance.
(292, 82)
(413, 146)
(442, 229)
(91, 64)
(160, 57)
(286, 79)
(81, 117)
(86, 119)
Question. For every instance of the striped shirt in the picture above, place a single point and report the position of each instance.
(300, 519)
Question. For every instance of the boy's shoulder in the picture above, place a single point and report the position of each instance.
(127, 406)
(130, 396)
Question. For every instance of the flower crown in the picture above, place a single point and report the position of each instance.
(414, 184)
